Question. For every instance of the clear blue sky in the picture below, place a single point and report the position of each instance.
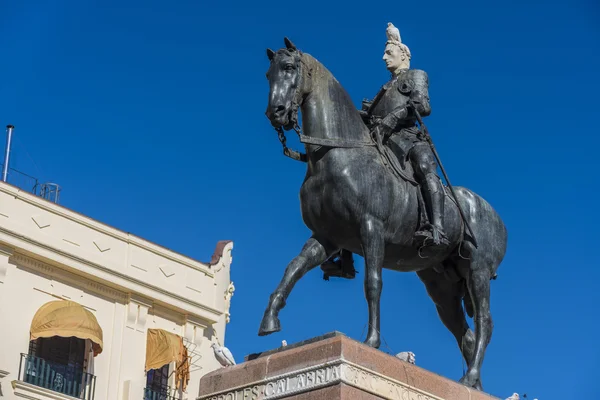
(151, 116)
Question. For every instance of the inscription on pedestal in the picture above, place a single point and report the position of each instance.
(320, 376)
(285, 385)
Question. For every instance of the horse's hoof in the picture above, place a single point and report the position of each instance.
(470, 381)
(270, 324)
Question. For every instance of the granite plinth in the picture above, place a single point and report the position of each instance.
(330, 367)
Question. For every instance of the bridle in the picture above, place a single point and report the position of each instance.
(296, 103)
(305, 86)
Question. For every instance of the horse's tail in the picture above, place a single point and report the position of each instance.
(490, 232)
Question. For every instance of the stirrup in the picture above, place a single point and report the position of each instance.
(432, 236)
(337, 269)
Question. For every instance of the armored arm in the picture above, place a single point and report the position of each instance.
(416, 87)
(364, 111)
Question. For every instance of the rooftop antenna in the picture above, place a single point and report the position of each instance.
(9, 131)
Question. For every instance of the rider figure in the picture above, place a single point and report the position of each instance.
(390, 116)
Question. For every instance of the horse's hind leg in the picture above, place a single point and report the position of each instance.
(478, 283)
(312, 254)
(373, 250)
(447, 297)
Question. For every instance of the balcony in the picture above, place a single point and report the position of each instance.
(164, 393)
(69, 380)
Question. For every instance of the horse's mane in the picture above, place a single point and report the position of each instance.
(320, 73)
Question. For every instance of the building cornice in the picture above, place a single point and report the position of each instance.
(91, 285)
(90, 223)
(99, 273)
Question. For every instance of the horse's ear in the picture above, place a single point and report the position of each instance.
(270, 54)
(289, 44)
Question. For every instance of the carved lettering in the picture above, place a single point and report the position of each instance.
(320, 376)
(290, 384)
(301, 381)
(280, 386)
(335, 373)
(310, 378)
(270, 389)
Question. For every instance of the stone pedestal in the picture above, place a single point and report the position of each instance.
(330, 367)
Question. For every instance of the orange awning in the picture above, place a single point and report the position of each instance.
(66, 319)
(164, 347)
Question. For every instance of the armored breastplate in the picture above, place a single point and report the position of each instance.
(393, 96)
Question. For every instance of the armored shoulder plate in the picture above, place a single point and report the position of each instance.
(414, 79)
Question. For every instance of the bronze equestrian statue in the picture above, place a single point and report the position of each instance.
(360, 196)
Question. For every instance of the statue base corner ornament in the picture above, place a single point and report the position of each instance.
(331, 367)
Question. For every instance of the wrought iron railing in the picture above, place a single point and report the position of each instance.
(67, 379)
(49, 191)
(22, 180)
(164, 393)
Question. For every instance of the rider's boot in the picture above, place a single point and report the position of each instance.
(433, 192)
(342, 267)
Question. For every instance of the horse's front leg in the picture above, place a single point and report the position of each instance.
(314, 253)
(373, 248)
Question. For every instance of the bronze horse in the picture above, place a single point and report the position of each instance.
(351, 200)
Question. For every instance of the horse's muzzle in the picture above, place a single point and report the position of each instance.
(278, 116)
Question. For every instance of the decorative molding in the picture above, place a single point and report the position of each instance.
(100, 288)
(320, 376)
(204, 310)
(32, 263)
(6, 251)
(228, 295)
(167, 270)
(41, 221)
(137, 313)
(102, 247)
(71, 242)
(4, 374)
(217, 256)
(194, 331)
(70, 215)
(140, 268)
(70, 277)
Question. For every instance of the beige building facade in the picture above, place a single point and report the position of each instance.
(91, 312)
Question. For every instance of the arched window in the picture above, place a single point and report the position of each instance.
(64, 339)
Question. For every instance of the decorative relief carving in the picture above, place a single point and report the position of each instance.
(137, 314)
(33, 264)
(106, 290)
(71, 242)
(228, 295)
(101, 246)
(68, 276)
(322, 375)
(194, 333)
(167, 270)
(42, 221)
(140, 268)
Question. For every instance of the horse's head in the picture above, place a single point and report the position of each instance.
(286, 86)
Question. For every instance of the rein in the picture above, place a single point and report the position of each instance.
(333, 143)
